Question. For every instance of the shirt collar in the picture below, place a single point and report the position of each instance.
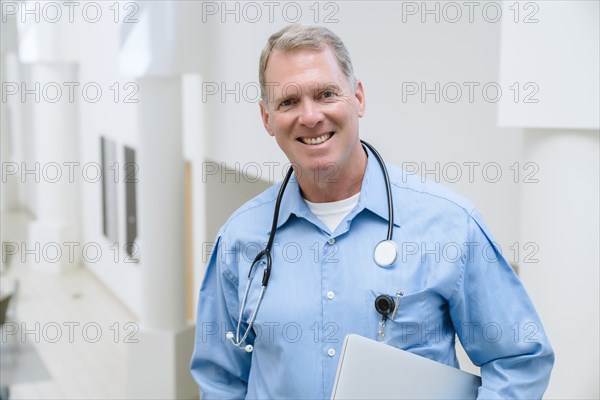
(373, 196)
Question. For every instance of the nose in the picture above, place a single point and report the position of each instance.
(310, 114)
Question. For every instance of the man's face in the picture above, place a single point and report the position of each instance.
(312, 110)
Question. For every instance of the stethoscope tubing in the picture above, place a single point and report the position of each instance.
(388, 188)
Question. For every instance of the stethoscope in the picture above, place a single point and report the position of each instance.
(385, 253)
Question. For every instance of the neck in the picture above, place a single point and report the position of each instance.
(327, 185)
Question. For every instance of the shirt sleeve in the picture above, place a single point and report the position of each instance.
(497, 324)
(220, 369)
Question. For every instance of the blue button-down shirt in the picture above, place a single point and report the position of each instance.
(323, 285)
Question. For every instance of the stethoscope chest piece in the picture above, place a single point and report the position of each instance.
(385, 253)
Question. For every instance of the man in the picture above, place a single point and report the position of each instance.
(324, 280)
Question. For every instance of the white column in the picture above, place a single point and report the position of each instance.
(12, 211)
(159, 363)
(560, 260)
(53, 125)
(161, 203)
(12, 133)
(159, 51)
(8, 62)
(50, 128)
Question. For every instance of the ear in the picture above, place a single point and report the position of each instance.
(264, 114)
(359, 93)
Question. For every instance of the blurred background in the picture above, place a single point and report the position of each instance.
(130, 130)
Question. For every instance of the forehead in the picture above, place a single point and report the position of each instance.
(303, 66)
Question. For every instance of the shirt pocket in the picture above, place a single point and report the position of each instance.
(409, 328)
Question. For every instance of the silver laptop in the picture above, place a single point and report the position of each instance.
(374, 370)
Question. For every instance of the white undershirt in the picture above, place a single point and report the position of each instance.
(331, 214)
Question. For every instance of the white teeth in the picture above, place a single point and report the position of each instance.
(317, 140)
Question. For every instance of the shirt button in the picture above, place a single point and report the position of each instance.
(331, 352)
(331, 241)
(330, 295)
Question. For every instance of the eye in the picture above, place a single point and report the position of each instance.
(286, 103)
(328, 95)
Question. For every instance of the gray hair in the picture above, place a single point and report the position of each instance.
(298, 36)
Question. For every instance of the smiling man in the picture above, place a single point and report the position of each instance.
(283, 340)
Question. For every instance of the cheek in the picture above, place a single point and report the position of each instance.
(345, 113)
(281, 125)
(285, 146)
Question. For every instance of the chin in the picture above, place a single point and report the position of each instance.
(318, 170)
(322, 166)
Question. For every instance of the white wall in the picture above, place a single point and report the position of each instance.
(98, 57)
(558, 54)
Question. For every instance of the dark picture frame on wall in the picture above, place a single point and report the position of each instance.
(108, 157)
(130, 179)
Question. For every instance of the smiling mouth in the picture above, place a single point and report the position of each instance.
(317, 140)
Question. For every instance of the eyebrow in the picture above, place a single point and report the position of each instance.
(288, 93)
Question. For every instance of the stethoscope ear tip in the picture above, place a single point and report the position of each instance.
(229, 335)
(386, 253)
(249, 348)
